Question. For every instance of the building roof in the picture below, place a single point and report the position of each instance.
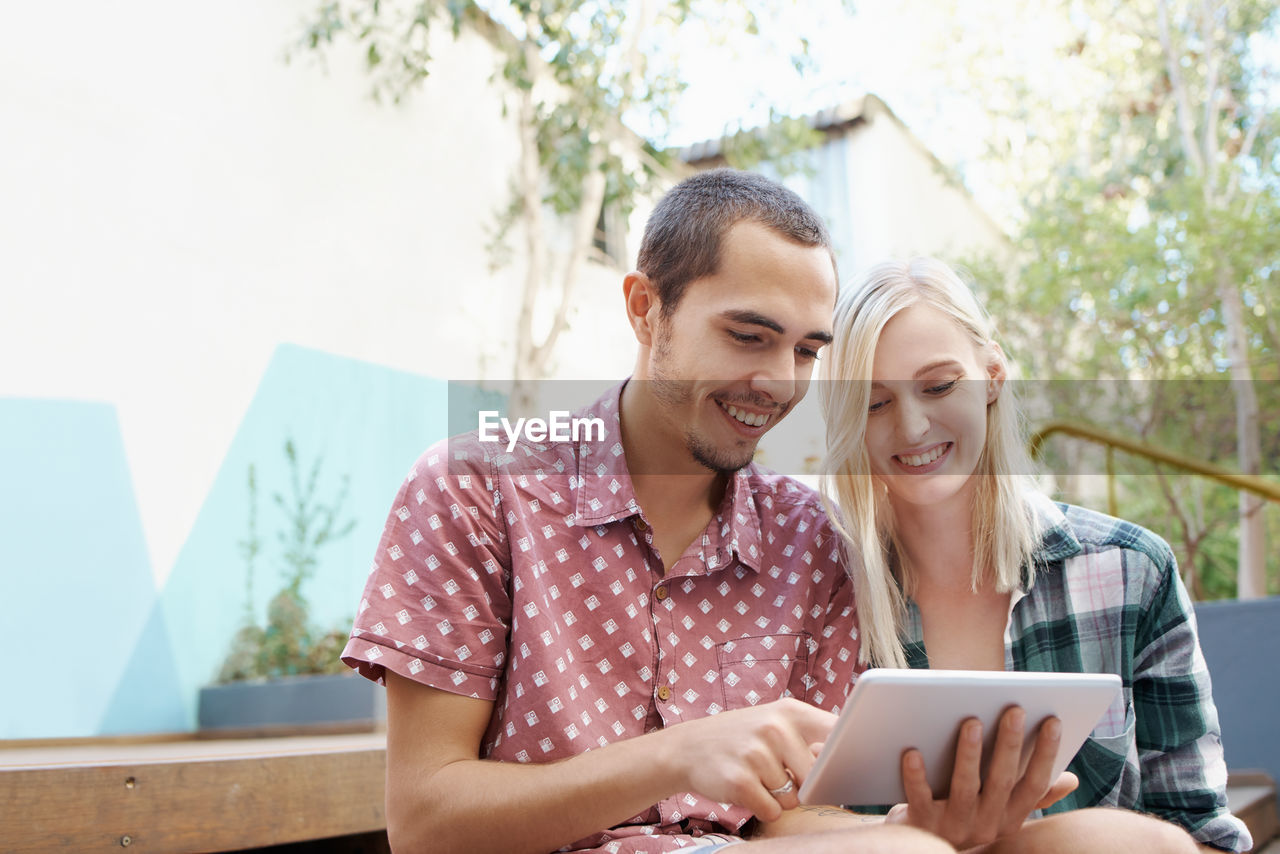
(831, 120)
(839, 120)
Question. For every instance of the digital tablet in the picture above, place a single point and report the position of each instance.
(890, 711)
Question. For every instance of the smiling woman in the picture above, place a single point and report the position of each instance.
(916, 387)
(931, 386)
(958, 563)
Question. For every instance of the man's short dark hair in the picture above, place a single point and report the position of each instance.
(684, 234)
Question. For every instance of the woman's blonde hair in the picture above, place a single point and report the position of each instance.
(1004, 529)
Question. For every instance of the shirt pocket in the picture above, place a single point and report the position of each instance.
(1103, 763)
(755, 670)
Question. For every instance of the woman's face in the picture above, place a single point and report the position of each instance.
(927, 419)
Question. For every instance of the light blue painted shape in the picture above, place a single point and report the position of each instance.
(369, 423)
(147, 697)
(76, 585)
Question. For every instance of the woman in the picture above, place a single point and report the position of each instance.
(975, 570)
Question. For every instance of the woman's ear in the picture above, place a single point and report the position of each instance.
(642, 306)
(997, 372)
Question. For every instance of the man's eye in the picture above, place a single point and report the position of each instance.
(744, 337)
(941, 388)
(807, 353)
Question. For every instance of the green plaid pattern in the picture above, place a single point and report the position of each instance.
(1107, 598)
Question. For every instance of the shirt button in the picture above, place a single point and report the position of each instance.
(661, 593)
(664, 693)
(641, 525)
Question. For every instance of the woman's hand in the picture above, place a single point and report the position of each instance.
(976, 811)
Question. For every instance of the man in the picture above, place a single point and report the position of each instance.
(633, 644)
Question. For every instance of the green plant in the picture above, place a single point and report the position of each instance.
(288, 644)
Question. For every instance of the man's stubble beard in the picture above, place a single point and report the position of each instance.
(678, 393)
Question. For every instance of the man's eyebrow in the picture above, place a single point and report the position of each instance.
(755, 318)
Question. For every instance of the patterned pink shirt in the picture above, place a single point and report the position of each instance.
(530, 579)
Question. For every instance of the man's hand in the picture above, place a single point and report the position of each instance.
(739, 756)
(439, 790)
(977, 811)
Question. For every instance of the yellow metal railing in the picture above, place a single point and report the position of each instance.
(1113, 441)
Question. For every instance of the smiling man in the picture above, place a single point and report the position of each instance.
(631, 645)
(741, 326)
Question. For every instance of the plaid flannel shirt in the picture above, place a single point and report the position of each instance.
(1107, 598)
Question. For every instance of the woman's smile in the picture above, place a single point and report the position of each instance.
(927, 460)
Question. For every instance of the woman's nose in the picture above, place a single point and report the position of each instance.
(913, 421)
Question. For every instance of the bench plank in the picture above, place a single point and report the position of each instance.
(189, 795)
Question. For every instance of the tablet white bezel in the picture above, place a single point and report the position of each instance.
(890, 711)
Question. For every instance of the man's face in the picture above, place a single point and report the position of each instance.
(739, 349)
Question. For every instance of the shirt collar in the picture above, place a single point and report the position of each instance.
(1057, 541)
(605, 493)
(740, 520)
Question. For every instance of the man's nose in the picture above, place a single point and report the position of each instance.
(777, 378)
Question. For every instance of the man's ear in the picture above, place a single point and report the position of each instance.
(997, 372)
(643, 306)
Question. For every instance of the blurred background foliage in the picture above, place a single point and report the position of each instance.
(1147, 249)
(1128, 148)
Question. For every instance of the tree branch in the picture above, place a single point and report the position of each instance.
(1250, 139)
(1212, 97)
(1173, 64)
(593, 190)
(1190, 539)
(583, 233)
(530, 189)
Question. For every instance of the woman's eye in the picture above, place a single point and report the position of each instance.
(876, 406)
(942, 388)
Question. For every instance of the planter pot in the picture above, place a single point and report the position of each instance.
(323, 703)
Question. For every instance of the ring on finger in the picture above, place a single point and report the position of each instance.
(785, 789)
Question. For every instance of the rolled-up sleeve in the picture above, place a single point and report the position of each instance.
(1184, 774)
(436, 607)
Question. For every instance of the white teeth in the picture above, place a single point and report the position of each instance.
(922, 459)
(748, 418)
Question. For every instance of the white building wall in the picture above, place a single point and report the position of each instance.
(903, 204)
(176, 200)
(883, 195)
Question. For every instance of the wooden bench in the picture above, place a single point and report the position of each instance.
(182, 794)
(177, 794)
